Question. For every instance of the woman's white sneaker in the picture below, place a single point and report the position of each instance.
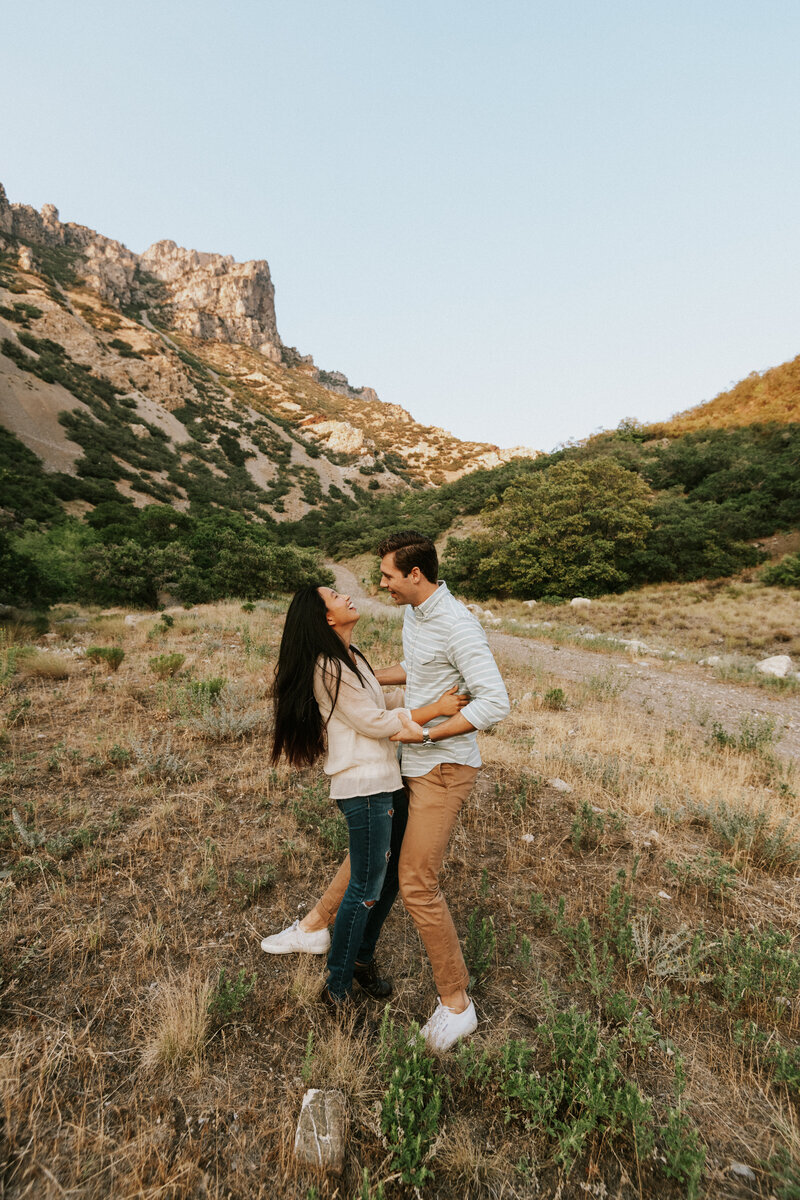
(295, 940)
(445, 1027)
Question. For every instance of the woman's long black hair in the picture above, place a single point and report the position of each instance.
(307, 636)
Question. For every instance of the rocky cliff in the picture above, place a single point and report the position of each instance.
(189, 342)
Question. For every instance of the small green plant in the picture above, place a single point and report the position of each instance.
(754, 735)
(555, 700)
(167, 620)
(203, 692)
(684, 1156)
(250, 888)
(479, 945)
(228, 720)
(751, 833)
(588, 827)
(248, 606)
(411, 1103)
(158, 761)
(366, 1192)
(166, 665)
(756, 968)
(230, 994)
(112, 656)
(120, 756)
(708, 871)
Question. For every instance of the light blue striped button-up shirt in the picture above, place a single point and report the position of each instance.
(443, 645)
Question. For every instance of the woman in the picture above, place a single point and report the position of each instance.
(328, 702)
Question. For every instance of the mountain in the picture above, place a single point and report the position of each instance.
(764, 397)
(162, 376)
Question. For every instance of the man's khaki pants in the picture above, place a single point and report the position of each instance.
(434, 802)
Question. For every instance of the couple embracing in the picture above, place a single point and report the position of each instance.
(330, 703)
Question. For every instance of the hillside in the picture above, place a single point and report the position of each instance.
(163, 376)
(766, 396)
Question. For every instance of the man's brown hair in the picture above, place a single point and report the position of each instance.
(412, 549)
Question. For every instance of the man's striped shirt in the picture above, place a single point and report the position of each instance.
(443, 645)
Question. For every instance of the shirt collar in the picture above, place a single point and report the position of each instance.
(425, 611)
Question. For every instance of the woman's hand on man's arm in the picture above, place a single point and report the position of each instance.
(391, 676)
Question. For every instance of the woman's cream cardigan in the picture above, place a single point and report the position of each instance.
(359, 758)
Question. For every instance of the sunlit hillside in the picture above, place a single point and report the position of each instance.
(772, 395)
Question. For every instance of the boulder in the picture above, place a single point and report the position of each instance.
(560, 785)
(580, 602)
(320, 1134)
(636, 646)
(529, 603)
(778, 666)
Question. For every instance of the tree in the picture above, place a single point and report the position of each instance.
(566, 530)
(129, 573)
(786, 573)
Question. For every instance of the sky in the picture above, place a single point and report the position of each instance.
(523, 221)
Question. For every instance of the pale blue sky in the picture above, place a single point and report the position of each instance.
(520, 220)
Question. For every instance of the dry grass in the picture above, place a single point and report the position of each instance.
(139, 889)
(738, 618)
(178, 1022)
(44, 664)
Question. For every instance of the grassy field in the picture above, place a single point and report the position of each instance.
(631, 929)
(738, 622)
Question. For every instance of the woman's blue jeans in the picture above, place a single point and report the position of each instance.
(376, 825)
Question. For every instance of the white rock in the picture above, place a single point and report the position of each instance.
(319, 1138)
(664, 896)
(529, 603)
(559, 785)
(488, 615)
(636, 646)
(475, 608)
(528, 837)
(580, 602)
(712, 661)
(779, 666)
(742, 1170)
(132, 619)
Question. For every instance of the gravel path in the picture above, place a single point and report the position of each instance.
(679, 692)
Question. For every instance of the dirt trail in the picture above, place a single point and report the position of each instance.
(680, 693)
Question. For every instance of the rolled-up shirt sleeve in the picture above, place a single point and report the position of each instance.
(356, 707)
(469, 651)
(395, 698)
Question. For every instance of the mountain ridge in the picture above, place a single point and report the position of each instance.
(190, 335)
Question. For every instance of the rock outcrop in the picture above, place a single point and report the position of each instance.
(210, 296)
(215, 298)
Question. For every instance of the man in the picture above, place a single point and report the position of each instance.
(443, 645)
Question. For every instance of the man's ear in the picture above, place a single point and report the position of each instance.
(415, 575)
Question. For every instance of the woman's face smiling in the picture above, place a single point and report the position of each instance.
(342, 613)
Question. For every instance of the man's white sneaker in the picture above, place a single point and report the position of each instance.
(295, 940)
(445, 1026)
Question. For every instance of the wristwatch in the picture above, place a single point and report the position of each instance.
(427, 740)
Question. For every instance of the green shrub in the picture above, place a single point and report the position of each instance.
(479, 945)
(755, 734)
(204, 692)
(112, 656)
(411, 1103)
(230, 994)
(786, 573)
(166, 665)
